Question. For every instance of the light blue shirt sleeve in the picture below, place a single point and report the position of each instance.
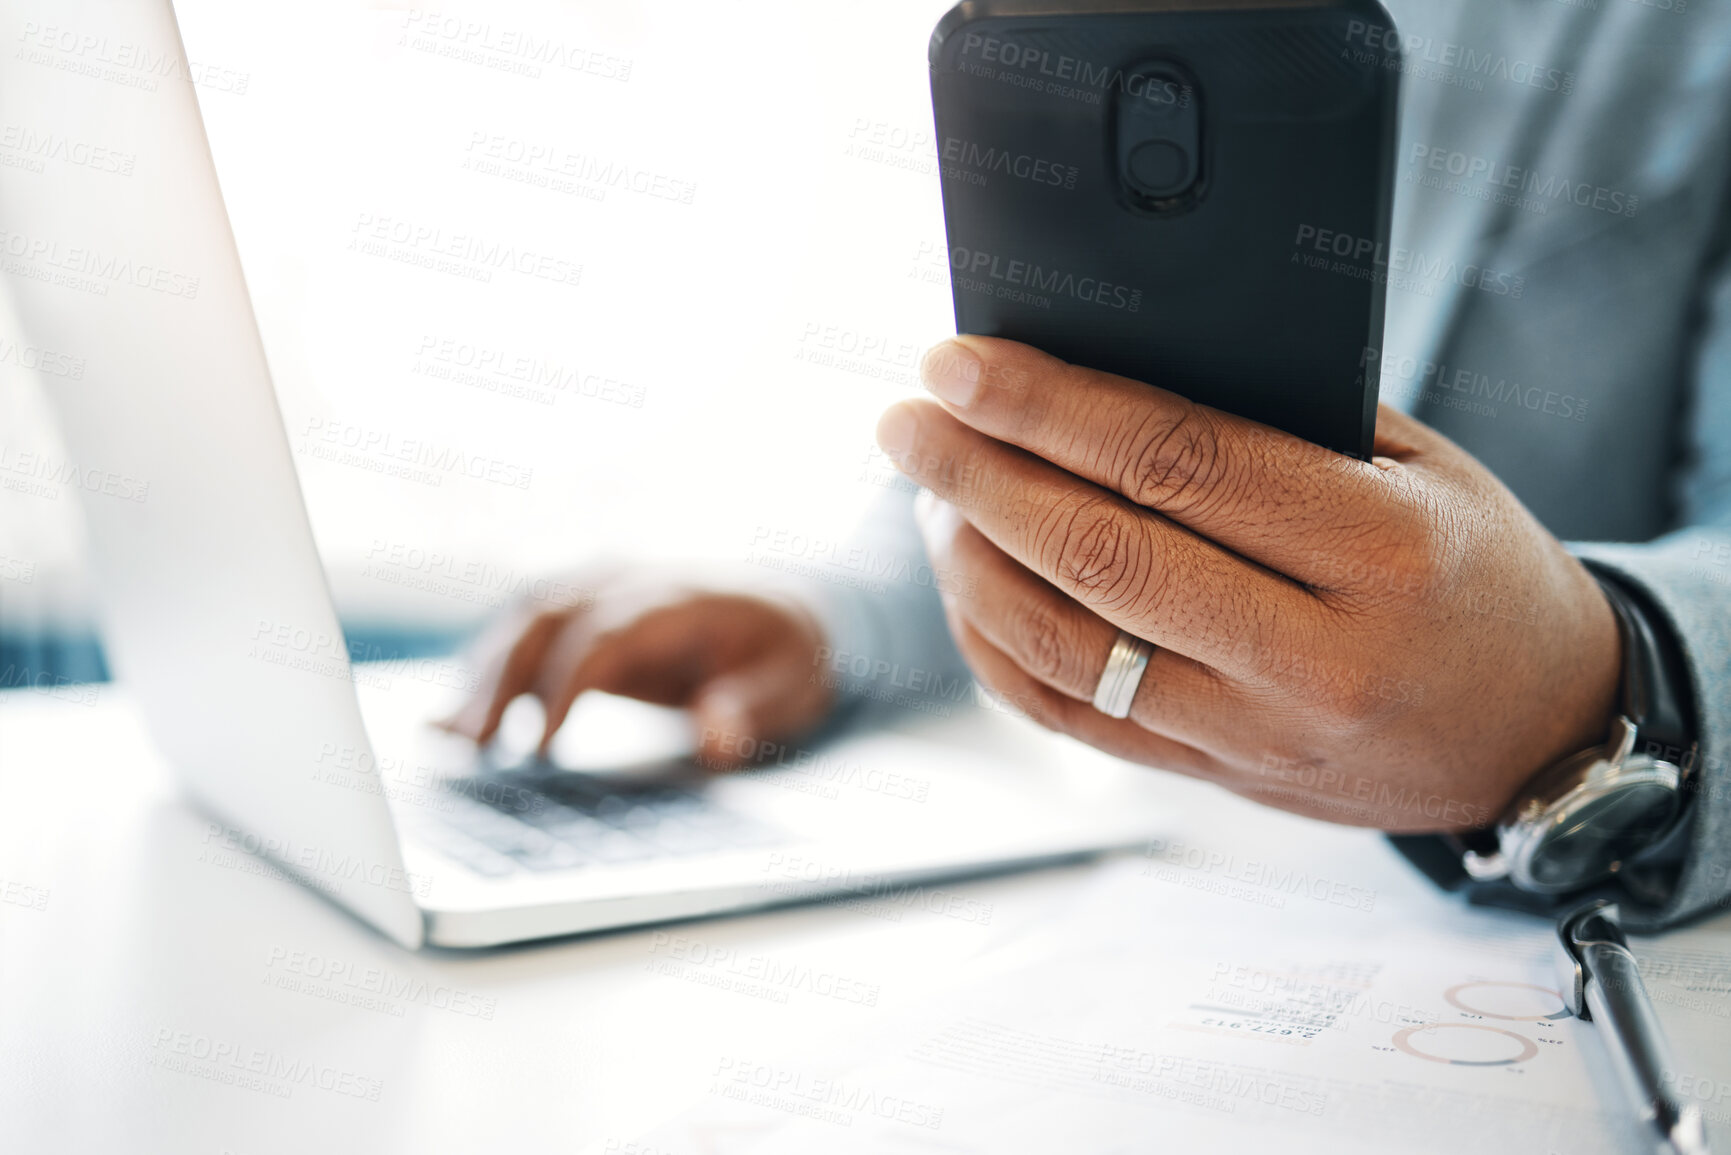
(889, 652)
(1687, 573)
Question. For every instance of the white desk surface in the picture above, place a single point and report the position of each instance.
(121, 945)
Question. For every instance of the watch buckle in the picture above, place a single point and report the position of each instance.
(1618, 746)
(1621, 743)
(1485, 867)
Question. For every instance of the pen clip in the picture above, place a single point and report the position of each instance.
(1597, 921)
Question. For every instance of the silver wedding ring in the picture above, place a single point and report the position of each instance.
(1125, 666)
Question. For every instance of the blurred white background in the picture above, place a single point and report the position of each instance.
(750, 191)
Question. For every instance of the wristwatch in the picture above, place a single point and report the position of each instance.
(1596, 814)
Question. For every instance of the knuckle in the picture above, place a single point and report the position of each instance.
(1400, 570)
(1399, 558)
(1423, 558)
(1043, 644)
(1096, 553)
(1353, 710)
(1175, 464)
(1355, 700)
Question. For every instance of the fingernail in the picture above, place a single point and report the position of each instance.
(896, 431)
(952, 372)
(724, 714)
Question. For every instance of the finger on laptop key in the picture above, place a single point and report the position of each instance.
(510, 654)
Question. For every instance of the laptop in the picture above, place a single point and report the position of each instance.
(217, 616)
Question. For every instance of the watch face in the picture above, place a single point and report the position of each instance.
(1601, 832)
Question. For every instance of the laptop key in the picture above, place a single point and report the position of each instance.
(572, 822)
(459, 847)
(484, 862)
(617, 847)
(553, 856)
(678, 838)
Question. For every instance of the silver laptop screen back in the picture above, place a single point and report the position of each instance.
(215, 609)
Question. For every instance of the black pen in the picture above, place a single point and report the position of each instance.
(1602, 984)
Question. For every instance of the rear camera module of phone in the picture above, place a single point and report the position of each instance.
(1159, 168)
(1158, 138)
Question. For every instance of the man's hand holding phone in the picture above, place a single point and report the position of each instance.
(1394, 643)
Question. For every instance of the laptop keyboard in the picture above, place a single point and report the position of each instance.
(550, 819)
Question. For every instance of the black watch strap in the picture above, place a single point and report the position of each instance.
(1657, 694)
(1437, 857)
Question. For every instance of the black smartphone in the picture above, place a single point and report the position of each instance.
(1191, 193)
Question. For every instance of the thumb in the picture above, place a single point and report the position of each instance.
(744, 714)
